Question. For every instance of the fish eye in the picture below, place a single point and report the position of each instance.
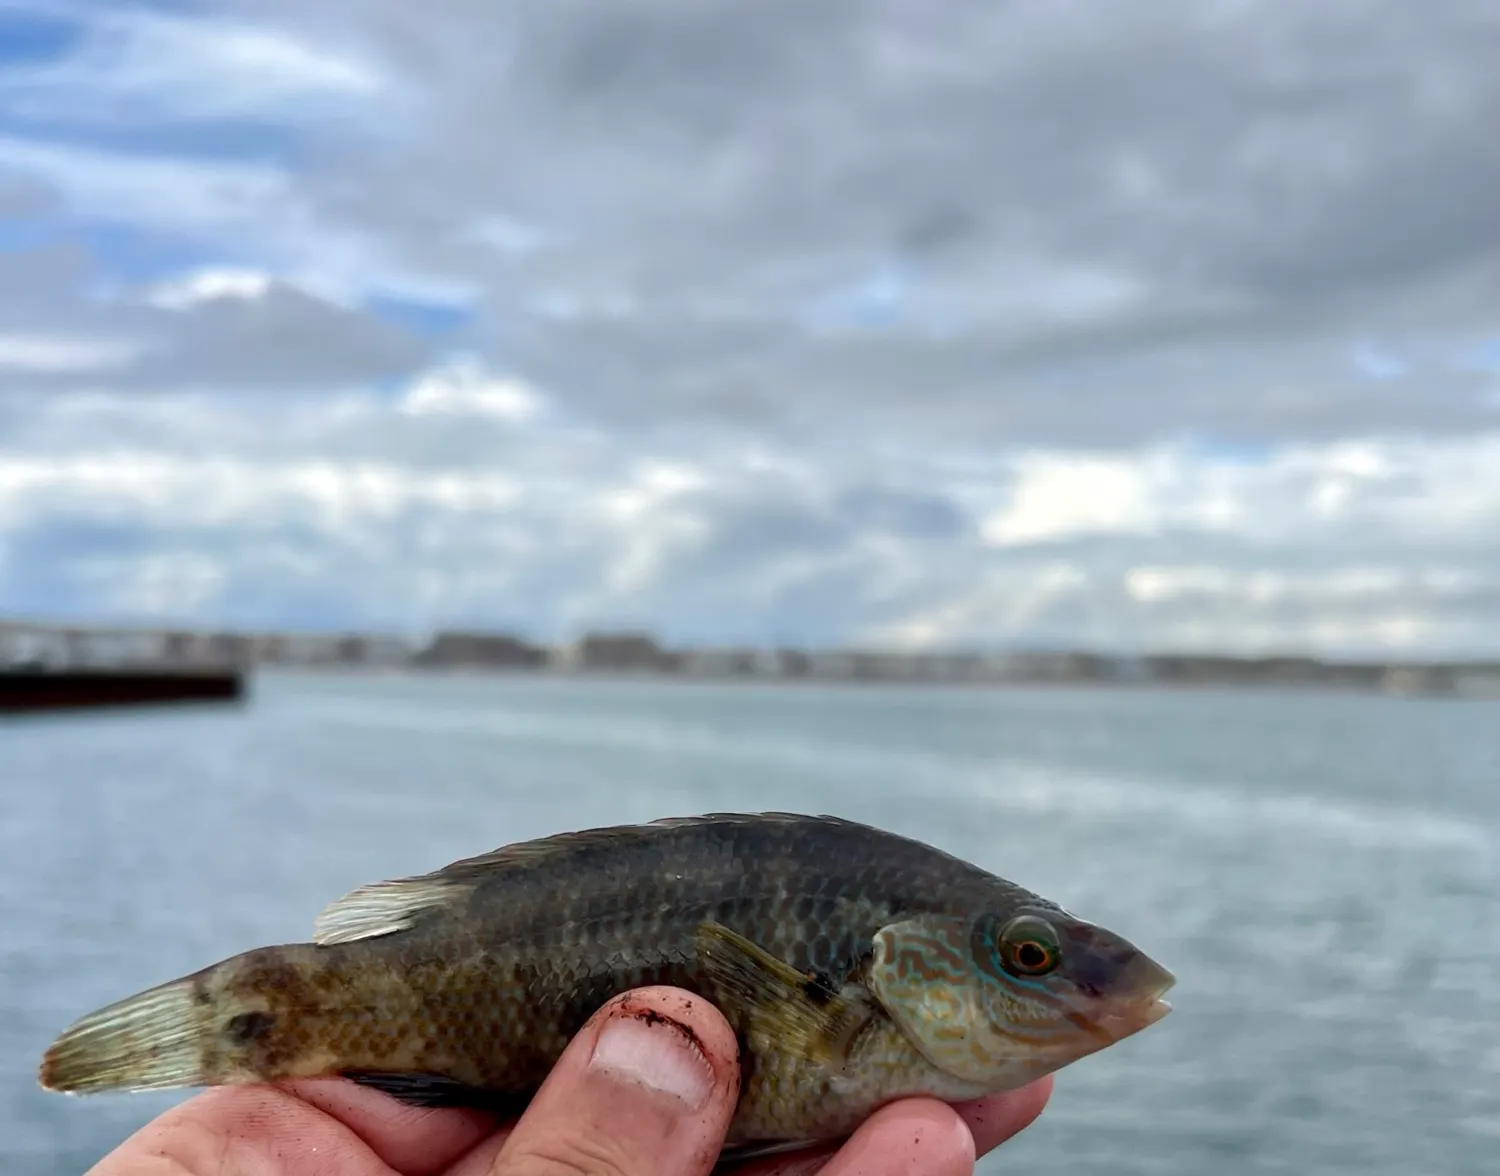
(1029, 946)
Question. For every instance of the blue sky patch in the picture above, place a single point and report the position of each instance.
(875, 301)
(1484, 358)
(31, 37)
(133, 255)
(1378, 363)
(424, 317)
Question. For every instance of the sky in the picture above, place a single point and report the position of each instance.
(1020, 324)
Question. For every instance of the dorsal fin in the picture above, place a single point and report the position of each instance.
(383, 908)
(530, 852)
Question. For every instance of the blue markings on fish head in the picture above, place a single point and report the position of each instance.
(1002, 999)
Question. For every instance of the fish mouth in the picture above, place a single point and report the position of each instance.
(1125, 1021)
(1129, 1015)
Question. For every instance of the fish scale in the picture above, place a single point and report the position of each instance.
(837, 952)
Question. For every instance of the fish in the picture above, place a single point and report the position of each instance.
(856, 966)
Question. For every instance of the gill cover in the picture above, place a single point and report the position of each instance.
(978, 998)
(923, 972)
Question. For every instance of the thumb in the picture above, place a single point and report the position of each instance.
(647, 1088)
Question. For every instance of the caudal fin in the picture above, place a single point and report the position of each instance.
(150, 1041)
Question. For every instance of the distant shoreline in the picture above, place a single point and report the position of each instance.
(646, 678)
(634, 656)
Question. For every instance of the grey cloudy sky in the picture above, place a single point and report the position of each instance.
(1129, 325)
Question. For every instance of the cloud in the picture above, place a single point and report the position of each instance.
(133, 65)
(1099, 227)
(53, 354)
(755, 321)
(209, 285)
(463, 388)
(359, 510)
(219, 329)
(1017, 223)
(133, 187)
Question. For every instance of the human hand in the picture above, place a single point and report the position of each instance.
(647, 1088)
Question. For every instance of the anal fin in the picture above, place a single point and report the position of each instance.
(434, 1090)
(789, 1011)
(755, 1151)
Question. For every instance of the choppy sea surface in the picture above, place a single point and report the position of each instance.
(1322, 873)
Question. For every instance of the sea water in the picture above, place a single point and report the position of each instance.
(1321, 872)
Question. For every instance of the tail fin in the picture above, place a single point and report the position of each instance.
(151, 1041)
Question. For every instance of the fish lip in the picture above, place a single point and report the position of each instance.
(1129, 1018)
(1155, 1011)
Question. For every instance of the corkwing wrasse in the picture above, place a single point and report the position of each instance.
(856, 966)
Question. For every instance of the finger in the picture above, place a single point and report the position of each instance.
(646, 1088)
(327, 1128)
(243, 1131)
(997, 1118)
(912, 1135)
(415, 1141)
(990, 1122)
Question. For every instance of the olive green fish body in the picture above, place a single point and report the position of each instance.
(843, 956)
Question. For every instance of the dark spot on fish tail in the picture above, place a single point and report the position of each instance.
(267, 976)
(243, 1028)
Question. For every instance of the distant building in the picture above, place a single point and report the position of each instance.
(31, 646)
(306, 649)
(1418, 680)
(734, 662)
(628, 651)
(491, 651)
(832, 663)
(794, 663)
(1478, 682)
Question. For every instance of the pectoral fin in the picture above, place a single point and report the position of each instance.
(785, 1010)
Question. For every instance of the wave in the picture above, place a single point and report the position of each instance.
(1212, 808)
